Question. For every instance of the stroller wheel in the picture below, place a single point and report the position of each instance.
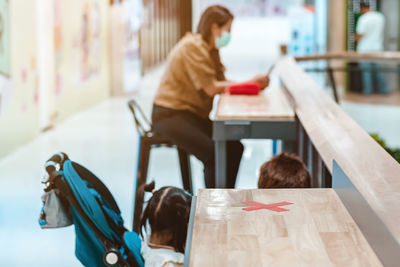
(111, 258)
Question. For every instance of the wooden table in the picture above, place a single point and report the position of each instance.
(268, 115)
(316, 230)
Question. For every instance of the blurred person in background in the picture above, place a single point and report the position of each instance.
(369, 35)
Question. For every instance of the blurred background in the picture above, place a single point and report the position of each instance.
(68, 67)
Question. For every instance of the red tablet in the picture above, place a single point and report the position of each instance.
(248, 88)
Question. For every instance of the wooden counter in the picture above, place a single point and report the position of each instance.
(354, 56)
(316, 230)
(336, 136)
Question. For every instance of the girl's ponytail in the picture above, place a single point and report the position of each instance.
(145, 214)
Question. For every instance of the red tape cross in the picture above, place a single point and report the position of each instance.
(258, 206)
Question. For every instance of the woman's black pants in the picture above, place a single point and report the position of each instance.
(194, 135)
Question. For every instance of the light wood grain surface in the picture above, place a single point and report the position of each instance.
(270, 104)
(354, 56)
(315, 231)
(335, 135)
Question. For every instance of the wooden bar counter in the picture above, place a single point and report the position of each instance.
(354, 56)
(371, 190)
(315, 229)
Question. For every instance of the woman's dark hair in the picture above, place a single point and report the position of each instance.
(215, 14)
(219, 15)
(168, 210)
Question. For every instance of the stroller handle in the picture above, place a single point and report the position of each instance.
(51, 164)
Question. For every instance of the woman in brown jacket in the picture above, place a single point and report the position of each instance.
(193, 76)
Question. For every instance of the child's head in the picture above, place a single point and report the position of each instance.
(167, 213)
(284, 171)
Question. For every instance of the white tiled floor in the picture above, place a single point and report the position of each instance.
(104, 140)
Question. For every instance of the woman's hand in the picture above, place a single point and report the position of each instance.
(218, 87)
(262, 80)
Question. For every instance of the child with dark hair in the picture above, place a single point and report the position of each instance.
(284, 171)
(167, 214)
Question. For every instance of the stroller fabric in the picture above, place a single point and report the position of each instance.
(105, 228)
(94, 206)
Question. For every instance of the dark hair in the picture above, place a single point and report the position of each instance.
(215, 14)
(219, 15)
(284, 171)
(168, 210)
(364, 5)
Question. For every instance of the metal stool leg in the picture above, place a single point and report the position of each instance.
(184, 160)
(144, 155)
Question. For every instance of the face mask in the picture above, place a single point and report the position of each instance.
(223, 40)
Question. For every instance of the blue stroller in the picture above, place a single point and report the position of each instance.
(76, 196)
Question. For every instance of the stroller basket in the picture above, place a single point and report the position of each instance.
(101, 238)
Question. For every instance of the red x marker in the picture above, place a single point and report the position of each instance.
(258, 206)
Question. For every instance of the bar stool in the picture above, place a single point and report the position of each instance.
(148, 140)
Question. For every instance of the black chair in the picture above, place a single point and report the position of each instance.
(148, 140)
